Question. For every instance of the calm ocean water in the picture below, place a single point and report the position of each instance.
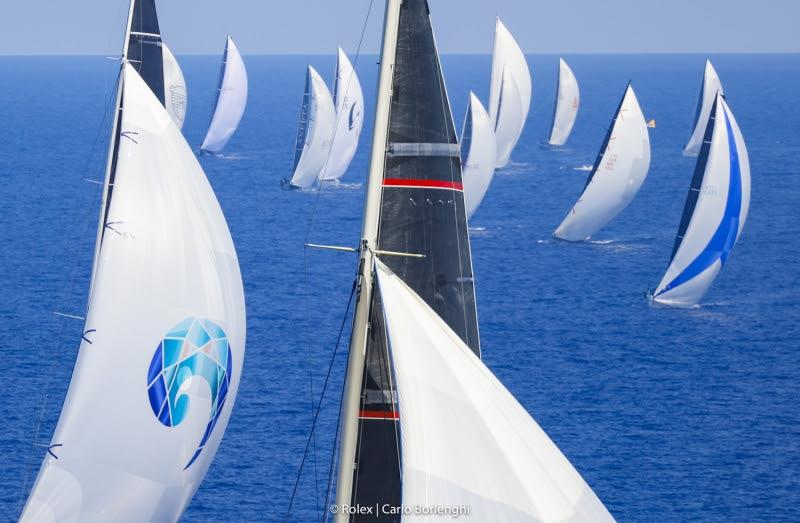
(670, 415)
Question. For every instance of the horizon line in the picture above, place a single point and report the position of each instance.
(581, 53)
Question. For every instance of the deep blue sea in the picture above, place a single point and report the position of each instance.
(670, 415)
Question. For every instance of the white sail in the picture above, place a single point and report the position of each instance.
(715, 212)
(568, 101)
(708, 92)
(315, 132)
(175, 94)
(478, 149)
(349, 102)
(619, 171)
(465, 440)
(508, 104)
(159, 365)
(231, 100)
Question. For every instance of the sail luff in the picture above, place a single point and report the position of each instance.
(369, 235)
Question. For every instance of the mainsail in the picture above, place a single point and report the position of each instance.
(474, 446)
(619, 171)
(511, 93)
(709, 88)
(414, 205)
(349, 101)
(715, 211)
(315, 131)
(478, 150)
(161, 355)
(568, 99)
(231, 100)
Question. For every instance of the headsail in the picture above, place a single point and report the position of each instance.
(414, 205)
(511, 93)
(349, 101)
(709, 88)
(568, 99)
(478, 153)
(231, 100)
(715, 212)
(475, 446)
(315, 131)
(619, 171)
(162, 351)
(175, 94)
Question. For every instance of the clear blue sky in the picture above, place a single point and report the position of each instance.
(462, 26)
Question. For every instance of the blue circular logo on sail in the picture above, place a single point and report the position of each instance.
(193, 348)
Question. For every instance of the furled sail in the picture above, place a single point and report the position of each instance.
(349, 101)
(414, 205)
(231, 100)
(161, 356)
(715, 211)
(511, 93)
(568, 101)
(315, 131)
(619, 171)
(474, 446)
(478, 153)
(175, 95)
(709, 88)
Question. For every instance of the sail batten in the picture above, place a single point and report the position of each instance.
(230, 102)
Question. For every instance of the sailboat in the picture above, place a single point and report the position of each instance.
(231, 100)
(715, 212)
(709, 88)
(618, 173)
(568, 99)
(164, 338)
(510, 94)
(478, 153)
(349, 102)
(416, 304)
(315, 132)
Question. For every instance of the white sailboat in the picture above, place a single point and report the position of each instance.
(349, 103)
(568, 99)
(478, 154)
(511, 93)
(709, 88)
(475, 446)
(618, 173)
(231, 100)
(315, 132)
(715, 212)
(161, 356)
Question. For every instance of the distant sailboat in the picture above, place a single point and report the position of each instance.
(448, 433)
(511, 93)
(231, 100)
(568, 101)
(163, 344)
(478, 154)
(715, 212)
(349, 102)
(651, 124)
(315, 132)
(619, 171)
(708, 93)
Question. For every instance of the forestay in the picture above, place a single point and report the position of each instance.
(162, 350)
(715, 212)
(709, 88)
(465, 440)
(511, 93)
(231, 100)
(568, 101)
(349, 102)
(315, 131)
(619, 172)
(478, 150)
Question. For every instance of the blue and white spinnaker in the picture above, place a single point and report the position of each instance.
(715, 212)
